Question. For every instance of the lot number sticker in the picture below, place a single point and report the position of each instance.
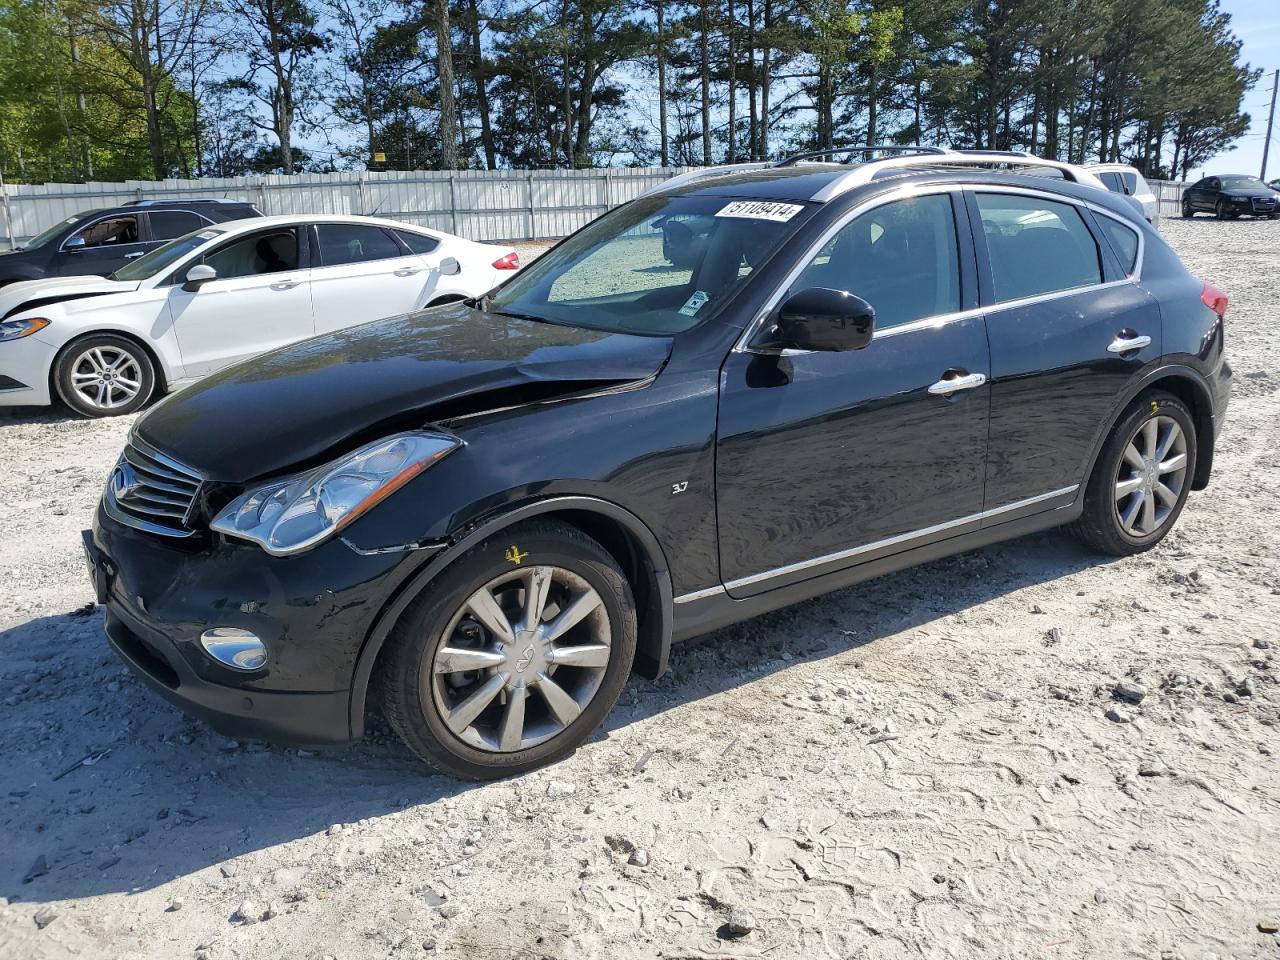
(694, 303)
(760, 210)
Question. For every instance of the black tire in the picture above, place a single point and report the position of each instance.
(1100, 525)
(405, 675)
(110, 345)
(1222, 211)
(1188, 211)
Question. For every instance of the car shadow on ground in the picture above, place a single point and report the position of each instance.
(107, 789)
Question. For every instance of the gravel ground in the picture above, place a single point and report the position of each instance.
(923, 765)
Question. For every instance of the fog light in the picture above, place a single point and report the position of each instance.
(235, 648)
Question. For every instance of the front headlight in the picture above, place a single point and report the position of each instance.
(13, 329)
(294, 513)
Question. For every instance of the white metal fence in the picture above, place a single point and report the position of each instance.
(1168, 196)
(479, 204)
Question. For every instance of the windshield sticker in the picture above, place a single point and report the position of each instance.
(760, 210)
(694, 303)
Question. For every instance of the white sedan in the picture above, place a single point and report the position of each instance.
(219, 295)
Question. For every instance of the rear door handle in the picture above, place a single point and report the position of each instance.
(285, 284)
(133, 256)
(954, 380)
(1123, 344)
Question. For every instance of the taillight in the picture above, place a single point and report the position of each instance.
(1215, 300)
(510, 262)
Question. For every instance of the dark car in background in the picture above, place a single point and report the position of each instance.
(98, 242)
(1230, 196)
(482, 516)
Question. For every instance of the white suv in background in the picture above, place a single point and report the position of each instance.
(1123, 179)
(222, 294)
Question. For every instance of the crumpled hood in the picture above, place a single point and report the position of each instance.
(52, 289)
(303, 403)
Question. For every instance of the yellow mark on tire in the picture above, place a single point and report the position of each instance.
(514, 555)
(1155, 406)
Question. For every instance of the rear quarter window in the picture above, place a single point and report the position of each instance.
(1123, 240)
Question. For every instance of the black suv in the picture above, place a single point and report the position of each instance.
(98, 242)
(1231, 196)
(482, 516)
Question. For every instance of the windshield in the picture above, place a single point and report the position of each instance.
(656, 266)
(1243, 183)
(161, 258)
(40, 239)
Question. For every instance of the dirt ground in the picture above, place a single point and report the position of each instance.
(921, 766)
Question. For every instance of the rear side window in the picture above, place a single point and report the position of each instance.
(1123, 241)
(1130, 181)
(417, 242)
(1036, 246)
(355, 243)
(167, 224)
(1112, 182)
(899, 257)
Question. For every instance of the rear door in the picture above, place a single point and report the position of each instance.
(260, 300)
(364, 273)
(826, 460)
(1070, 330)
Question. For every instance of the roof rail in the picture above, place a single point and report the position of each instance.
(689, 176)
(866, 172)
(870, 148)
(156, 203)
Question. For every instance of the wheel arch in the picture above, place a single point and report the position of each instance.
(1188, 386)
(157, 362)
(627, 538)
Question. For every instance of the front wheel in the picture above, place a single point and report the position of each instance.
(104, 375)
(1142, 477)
(1222, 210)
(1188, 211)
(513, 655)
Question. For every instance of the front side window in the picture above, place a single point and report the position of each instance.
(900, 257)
(261, 253)
(656, 266)
(355, 243)
(112, 232)
(161, 258)
(1111, 181)
(1036, 246)
(167, 224)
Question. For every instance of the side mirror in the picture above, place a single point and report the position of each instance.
(449, 267)
(74, 245)
(826, 320)
(198, 276)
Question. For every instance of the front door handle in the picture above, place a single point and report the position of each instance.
(133, 256)
(955, 380)
(408, 271)
(285, 284)
(1123, 343)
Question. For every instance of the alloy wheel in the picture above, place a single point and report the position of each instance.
(1151, 476)
(520, 660)
(106, 377)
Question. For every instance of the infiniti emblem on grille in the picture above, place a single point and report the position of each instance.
(124, 482)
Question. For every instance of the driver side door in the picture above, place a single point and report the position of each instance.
(260, 300)
(830, 459)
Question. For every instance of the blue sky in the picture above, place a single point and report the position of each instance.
(1257, 24)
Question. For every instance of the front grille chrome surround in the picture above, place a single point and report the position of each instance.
(151, 491)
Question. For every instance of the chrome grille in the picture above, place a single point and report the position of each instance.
(1264, 203)
(152, 492)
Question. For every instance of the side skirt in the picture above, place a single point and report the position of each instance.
(716, 610)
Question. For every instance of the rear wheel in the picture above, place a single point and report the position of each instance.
(513, 655)
(1143, 475)
(104, 375)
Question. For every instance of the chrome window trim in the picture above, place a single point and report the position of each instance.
(900, 538)
(938, 320)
